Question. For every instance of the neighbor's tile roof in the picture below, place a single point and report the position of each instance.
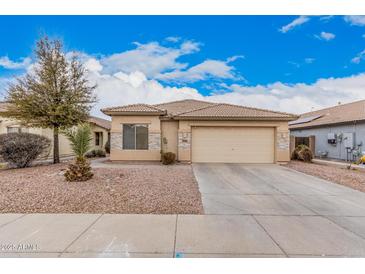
(100, 122)
(176, 107)
(135, 108)
(3, 106)
(223, 111)
(345, 113)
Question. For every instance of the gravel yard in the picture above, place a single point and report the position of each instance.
(351, 178)
(147, 189)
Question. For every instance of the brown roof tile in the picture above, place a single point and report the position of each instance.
(134, 109)
(100, 122)
(3, 106)
(224, 111)
(345, 113)
(176, 107)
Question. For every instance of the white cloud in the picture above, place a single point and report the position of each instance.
(295, 64)
(326, 18)
(127, 85)
(206, 70)
(92, 64)
(359, 57)
(127, 88)
(297, 98)
(5, 62)
(151, 58)
(327, 36)
(173, 39)
(309, 60)
(356, 20)
(296, 22)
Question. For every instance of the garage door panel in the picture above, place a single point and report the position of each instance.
(233, 145)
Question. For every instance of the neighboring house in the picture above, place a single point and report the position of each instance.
(100, 129)
(199, 131)
(338, 132)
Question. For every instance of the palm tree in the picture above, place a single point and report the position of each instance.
(80, 140)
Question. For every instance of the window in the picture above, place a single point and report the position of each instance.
(98, 138)
(135, 136)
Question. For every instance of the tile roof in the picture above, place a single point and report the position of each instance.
(343, 113)
(3, 106)
(134, 109)
(176, 107)
(100, 122)
(188, 109)
(224, 111)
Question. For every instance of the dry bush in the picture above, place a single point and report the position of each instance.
(302, 153)
(95, 153)
(168, 158)
(21, 149)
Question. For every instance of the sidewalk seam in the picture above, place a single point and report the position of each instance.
(174, 251)
(268, 234)
(12, 221)
(82, 233)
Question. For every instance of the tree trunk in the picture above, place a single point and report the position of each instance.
(56, 146)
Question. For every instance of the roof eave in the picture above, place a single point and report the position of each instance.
(133, 113)
(236, 118)
(327, 124)
(99, 125)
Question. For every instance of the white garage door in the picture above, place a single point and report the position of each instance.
(232, 145)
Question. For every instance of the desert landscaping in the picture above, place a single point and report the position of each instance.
(156, 189)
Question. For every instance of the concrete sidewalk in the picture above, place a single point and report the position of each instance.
(99, 235)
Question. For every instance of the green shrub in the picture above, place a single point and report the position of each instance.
(168, 158)
(79, 171)
(302, 153)
(95, 153)
(107, 146)
(21, 149)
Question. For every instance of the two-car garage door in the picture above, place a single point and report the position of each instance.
(233, 145)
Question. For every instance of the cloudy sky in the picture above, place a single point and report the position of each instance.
(289, 63)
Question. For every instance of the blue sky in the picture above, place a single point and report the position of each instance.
(290, 63)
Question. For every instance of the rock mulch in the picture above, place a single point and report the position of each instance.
(138, 190)
(351, 178)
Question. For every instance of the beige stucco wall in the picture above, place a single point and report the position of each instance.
(178, 134)
(65, 149)
(154, 139)
(281, 136)
(169, 133)
(95, 128)
(64, 144)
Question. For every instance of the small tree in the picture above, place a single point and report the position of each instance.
(80, 139)
(21, 149)
(55, 94)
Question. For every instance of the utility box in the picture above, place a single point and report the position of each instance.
(349, 140)
(332, 138)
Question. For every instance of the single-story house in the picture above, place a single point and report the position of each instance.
(199, 131)
(337, 132)
(100, 129)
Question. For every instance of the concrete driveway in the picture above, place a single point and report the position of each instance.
(302, 214)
